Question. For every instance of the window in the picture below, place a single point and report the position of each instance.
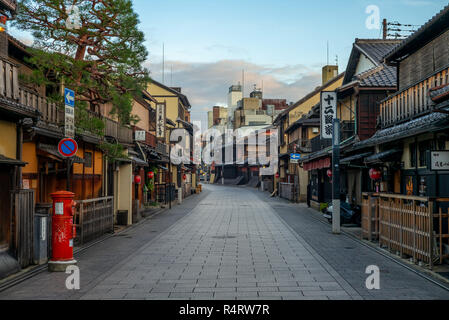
(441, 144)
(88, 159)
(423, 148)
(413, 155)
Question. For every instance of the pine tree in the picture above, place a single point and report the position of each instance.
(91, 46)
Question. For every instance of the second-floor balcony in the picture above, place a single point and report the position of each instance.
(9, 5)
(300, 146)
(414, 101)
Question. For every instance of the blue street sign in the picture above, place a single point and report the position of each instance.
(69, 97)
(295, 156)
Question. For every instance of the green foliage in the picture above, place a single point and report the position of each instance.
(113, 151)
(101, 60)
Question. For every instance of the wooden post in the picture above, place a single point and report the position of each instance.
(430, 234)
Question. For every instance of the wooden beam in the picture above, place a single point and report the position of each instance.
(441, 111)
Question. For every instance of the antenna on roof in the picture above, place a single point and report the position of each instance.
(163, 63)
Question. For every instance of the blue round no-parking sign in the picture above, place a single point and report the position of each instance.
(68, 147)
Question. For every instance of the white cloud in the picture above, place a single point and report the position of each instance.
(206, 84)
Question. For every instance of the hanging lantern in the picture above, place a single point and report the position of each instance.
(150, 175)
(137, 179)
(184, 177)
(375, 174)
(277, 175)
(329, 173)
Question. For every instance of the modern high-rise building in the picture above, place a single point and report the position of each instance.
(234, 96)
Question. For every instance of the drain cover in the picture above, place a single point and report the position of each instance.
(225, 237)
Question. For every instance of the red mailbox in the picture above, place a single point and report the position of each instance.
(63, 231)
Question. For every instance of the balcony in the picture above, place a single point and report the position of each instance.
(10, 5)
(411, 102)
(117, 131)
(162, 148)
(25, 100)
(150, 139)
(302, 145)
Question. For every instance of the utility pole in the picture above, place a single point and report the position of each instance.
(385, 29)
(336, 178)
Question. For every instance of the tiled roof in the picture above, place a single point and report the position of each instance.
(376, 48)
(386, 76)
(428, 123)
(373, 49)
(430, 30)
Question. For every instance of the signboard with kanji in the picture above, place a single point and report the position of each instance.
(328, 113)
(160, 120)
(69, 99)
(439, 160)
(140, 135)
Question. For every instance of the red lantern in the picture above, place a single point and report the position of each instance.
(184, 177)
(150, 175)
(329, 173)
(277, 175)
(375, 174)
(137, 179)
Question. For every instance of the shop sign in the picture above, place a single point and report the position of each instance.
(439, 160)
(160, 121)
(328, 113)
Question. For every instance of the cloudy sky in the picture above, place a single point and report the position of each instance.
(281, 43)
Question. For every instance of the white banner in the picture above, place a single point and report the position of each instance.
(439, 161)
(328, 113)
(160, 120)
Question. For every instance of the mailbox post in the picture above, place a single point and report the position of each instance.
(63, 231)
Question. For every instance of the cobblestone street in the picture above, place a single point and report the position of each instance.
(230, 243)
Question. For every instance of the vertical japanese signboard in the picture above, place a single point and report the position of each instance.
(328, 113)
(160, 121)
(69, 99)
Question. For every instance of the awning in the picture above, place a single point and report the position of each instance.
(137, 161)
(355, 157)
(52, 150)
(383, 156)
(428, 123)
(11, 162)
(318, 164)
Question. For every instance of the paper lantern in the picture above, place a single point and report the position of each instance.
(329, 173)
(137, 179)
(150, 175)
(184, 177)
(375, 174)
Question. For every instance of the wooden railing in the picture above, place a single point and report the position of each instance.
(121, 133)
(10, 89)
(411, 102)
(370, 216)
(9, 4)
(94, 218)
(407, 226)
(162, 148)
(302, 146)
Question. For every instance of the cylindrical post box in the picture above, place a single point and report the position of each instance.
(63, 231)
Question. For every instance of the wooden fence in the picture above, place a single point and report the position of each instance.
(94, 218)
(408, 225)
(370, 216)
(22, 226)
(287, 191)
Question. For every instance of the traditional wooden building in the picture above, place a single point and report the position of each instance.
(414, 121)
(366, 82)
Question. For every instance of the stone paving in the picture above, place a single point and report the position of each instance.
(231, 245)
